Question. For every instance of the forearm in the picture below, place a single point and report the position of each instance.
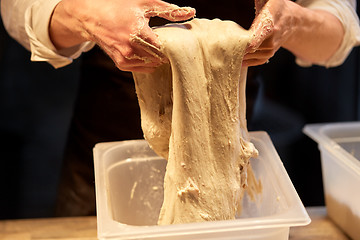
(316, 34)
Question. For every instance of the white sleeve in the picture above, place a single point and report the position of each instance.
(345, 11)
(27, 22)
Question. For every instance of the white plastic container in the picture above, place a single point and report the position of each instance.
(129, 194)
(339, 145)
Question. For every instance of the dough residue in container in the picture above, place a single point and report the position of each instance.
(193, 114)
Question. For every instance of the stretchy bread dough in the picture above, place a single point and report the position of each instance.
(193, 114)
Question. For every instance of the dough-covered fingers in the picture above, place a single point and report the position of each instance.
(146, 52)
(259, 54)
(273, 25)
(145, 39)
(130, 58)
(168, 11)
(262, 28)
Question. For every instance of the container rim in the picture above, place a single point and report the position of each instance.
(295, 215)
(317, 132)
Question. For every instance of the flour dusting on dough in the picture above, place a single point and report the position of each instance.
(193, 114)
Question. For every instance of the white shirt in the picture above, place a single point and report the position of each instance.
(27, 21)
(344, 10)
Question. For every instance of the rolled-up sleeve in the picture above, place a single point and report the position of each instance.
(27, 21)
(344, 10)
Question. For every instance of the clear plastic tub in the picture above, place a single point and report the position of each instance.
(339, 145)
(129, 194)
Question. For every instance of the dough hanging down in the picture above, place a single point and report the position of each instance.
(193, 114)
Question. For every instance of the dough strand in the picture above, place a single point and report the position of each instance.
(193, 114)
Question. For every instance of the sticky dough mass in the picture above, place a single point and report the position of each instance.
(193, 114)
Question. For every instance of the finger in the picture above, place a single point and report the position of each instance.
(137, 67)
(141, 69)
(267, 44)
(170, 12)
(254, 62)
(129, 57)
(137, 61)
(259, 54)
(148, 42)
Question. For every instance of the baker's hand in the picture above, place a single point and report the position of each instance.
(119, 27)
(270, 30)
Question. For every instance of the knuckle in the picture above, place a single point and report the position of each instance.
(128, 53)
(121, 62)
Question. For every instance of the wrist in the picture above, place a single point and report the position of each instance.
(296, 24)
(316, 34)
(64, 28)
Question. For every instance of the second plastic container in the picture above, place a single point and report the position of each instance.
(339, 145)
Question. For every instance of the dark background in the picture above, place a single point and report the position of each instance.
(36, 104)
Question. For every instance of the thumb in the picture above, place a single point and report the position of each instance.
(262, 28)
(170, 12)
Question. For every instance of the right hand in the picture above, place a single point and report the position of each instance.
(271, 28)
(119, 27)
(312, 35)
